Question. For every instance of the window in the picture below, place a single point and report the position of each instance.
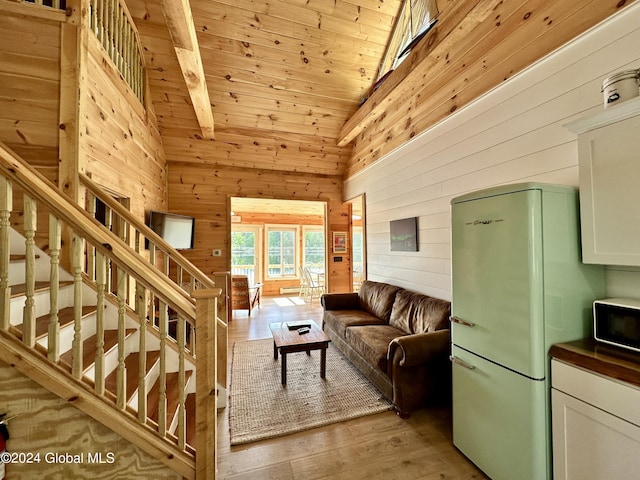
(313, 247)
(414, 19)
(281, 251)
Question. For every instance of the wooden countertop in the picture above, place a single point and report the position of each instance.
(600, 358)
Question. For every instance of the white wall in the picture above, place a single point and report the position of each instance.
(512, 134)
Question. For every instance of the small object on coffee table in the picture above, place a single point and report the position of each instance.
(289, 341)
(299, 324)
(303, 330)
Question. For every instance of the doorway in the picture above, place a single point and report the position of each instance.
(358, 241)
(273, 242)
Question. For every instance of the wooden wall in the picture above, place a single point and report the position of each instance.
(120, 145)
(476, 46)
(204, 192)
(30, 85)
(513, 134)
(48, 424)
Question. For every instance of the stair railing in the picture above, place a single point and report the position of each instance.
(172, 263)
(98, 257)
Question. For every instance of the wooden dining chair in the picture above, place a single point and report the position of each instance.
(243, 296)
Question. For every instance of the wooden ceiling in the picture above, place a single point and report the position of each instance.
(283, 78)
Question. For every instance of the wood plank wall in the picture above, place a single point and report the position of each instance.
(204, 192)
(513, 134)
(48, 424)
(120, 145)
(29, 95)
(30, 88)
(498, 39)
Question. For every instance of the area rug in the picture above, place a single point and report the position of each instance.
(260, 407)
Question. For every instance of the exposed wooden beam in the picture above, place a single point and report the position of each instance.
(183, 34)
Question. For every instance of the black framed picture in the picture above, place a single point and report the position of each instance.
(404, 235)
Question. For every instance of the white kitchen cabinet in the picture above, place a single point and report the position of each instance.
(596, 425)
(609, 160)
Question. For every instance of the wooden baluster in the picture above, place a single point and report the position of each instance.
(92, 18)
(162, 402)
(111, 26)
(123, 45)
(166, 264)
(131, 56)
(101, 285)
(29, 315)
(179, 273)
(91, 250)
(121, 378)
(101, 22)
(6, 205)
(141, 295)
(181, 382)
(108, 221)
(139, 77)
(55, 243)
(77, 366)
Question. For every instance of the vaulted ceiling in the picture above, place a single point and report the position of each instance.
(283, 77)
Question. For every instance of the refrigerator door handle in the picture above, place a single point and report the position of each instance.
(459, 321)
(462, 363)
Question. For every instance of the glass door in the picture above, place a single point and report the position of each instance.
(245, 252)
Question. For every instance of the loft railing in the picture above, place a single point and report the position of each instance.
(99, 259)
(112, 24)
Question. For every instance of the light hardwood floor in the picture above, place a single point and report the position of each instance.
(381, 446)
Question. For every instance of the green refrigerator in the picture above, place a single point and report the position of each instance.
(518, 287)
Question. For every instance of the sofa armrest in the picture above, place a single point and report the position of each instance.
(419, 348)
(340, 301)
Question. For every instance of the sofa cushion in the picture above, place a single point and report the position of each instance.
(372, 343)
(377, 298)
(340, 320)
(417, 313)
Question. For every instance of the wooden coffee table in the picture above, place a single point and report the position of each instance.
(289, 341)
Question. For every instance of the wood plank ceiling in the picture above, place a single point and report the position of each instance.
(283, 78)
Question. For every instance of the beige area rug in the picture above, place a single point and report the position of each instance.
(261, 407)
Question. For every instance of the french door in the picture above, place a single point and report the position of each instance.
(245, 252)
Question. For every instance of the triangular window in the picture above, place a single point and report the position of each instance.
(415, 18)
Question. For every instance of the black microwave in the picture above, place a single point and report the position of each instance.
(616, 321)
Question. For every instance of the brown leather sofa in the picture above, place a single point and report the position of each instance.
(400, 340)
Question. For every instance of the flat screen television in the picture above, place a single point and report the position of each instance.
(176, 230)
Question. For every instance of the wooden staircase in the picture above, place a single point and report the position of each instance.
(109, 351)
(116, 330)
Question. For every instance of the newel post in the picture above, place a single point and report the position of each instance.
(206, 382)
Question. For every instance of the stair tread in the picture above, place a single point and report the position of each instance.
(21, 289)
(131, 365)
(89, 348)
(65, 317)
